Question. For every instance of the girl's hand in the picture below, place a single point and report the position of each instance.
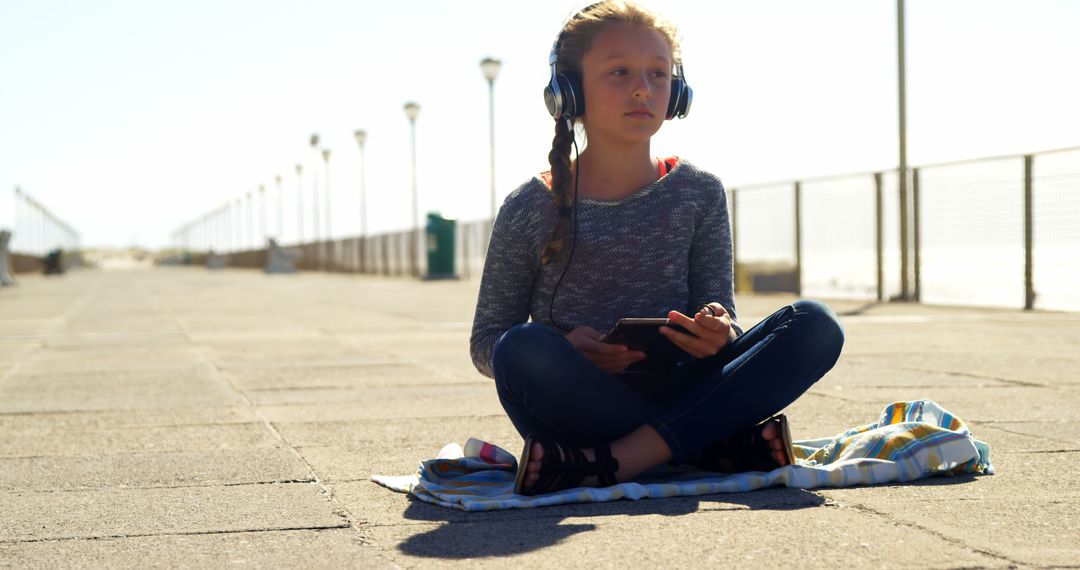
(611, 358)
(711, 333)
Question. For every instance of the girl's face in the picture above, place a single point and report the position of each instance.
(626, 76)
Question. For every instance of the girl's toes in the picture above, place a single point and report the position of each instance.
(780, 457)
(770, 431)
(537, 453)
(776, 444)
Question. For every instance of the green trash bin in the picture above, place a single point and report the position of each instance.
(440, 247)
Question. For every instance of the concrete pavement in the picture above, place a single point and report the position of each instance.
(186, 418)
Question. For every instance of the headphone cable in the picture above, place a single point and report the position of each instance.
(574, 209)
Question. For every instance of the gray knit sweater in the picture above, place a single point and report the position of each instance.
(665, 247)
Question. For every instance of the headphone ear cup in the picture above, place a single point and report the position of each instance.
(573, 95)
(681, 97)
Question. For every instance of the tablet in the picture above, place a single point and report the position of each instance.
(644, 334)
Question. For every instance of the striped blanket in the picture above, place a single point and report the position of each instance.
(911, 440)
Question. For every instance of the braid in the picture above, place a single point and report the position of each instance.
(559, 158)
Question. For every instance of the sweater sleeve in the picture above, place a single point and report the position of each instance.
(711, 265)
(506, 286)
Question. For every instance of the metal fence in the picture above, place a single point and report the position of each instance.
(999, 231)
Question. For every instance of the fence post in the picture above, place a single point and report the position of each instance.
(905, 294)
(734, 242)
(1029, 278)
(798, 239)
(6, 271)
(916, 220)
(879, 235)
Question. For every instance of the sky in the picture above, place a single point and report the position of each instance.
(130, 118)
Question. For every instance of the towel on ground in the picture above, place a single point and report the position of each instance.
(911, 440)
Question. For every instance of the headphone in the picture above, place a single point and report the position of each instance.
(565, 98)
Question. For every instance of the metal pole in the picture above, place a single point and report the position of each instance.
(491, 125)
(1029, 236)
(798, 239)
(902, 171)
(879, 234)
(250, 209)
(329, 236)
(299, 205)
(16, 223)
(262, 214)
(915, 223)
(226, 229)
(239, 213)
(363, 213)
(315, 211)
(415, 241)
(280, 210)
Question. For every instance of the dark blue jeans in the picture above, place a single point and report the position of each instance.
(547, 386)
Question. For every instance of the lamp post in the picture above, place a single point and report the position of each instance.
(331, 253)
(412, 110)
(226, 228)
(280, 211)
(902, 170)
(314, 141)
(250, 209)
(490, 67)
(17, 222)
(239, 213)
(361, 137)
(299, 205)
(262, 212)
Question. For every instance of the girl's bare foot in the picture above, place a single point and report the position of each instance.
(772, 434)
(744, 451)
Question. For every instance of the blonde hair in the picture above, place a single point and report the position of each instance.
(575, 40)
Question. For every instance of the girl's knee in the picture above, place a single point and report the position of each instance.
(520, 348)
(822, 326)
(520, 339)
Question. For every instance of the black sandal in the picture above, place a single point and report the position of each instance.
(564, 466)
(747, 450)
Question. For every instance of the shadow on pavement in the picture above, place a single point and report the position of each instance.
(515, 531)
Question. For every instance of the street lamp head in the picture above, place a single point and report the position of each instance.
(326, 154)
(412, 110)
(361, 136)
(262, 189)
(277, 180)
(314, 140)
(490, 66)
(299, 169)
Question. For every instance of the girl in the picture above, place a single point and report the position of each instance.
(618, 233)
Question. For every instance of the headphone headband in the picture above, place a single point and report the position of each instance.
(565, 98)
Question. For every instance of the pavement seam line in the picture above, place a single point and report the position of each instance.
(931, 532)
(338, 507)
(79, 306)
(1046, 437)
(954, 373)
(150, 487)
(190, 533)
(222, 376)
